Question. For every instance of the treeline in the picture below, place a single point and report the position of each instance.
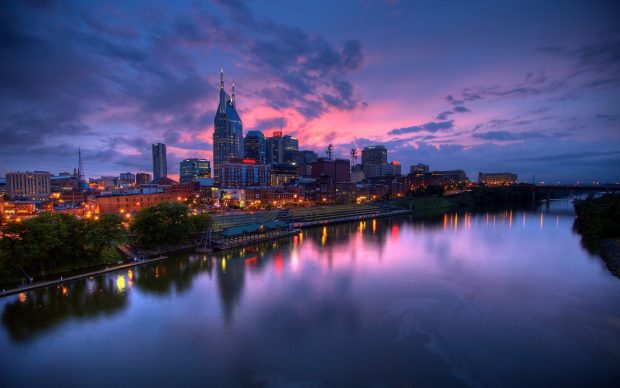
(598, 218)
(53, 243)
(498, 197)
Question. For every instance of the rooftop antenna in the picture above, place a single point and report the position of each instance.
(330, 151)
(222, 78)
(232, 98)
(80, 165)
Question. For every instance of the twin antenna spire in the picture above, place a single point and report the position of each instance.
(232, 97)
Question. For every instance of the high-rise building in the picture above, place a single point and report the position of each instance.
(374, 161)
(255, 146)
(281, 149)
(228, 129)
(303, 160)
(393, 168)
(160, 166)
(290, 145)
(126, 179)
(28, 185)
(194, 168)
(143, 178)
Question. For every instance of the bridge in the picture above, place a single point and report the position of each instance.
(606, 187)
(570, 188)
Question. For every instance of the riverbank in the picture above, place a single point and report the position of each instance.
(598, 222)
(62, 279)
(609, 250)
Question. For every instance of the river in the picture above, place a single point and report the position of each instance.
(491, 299)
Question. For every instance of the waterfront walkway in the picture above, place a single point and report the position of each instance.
(323, 215)
(61, 279)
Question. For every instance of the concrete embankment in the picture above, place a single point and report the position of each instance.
(61, 279)
(221, 245)
(336, 220)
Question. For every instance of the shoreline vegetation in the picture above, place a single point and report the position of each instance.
(50, 246)
(598, 222)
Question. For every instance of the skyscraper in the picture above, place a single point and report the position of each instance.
(192, 169)
(255, 146)
(374, 161)
(228, 129)
(160, 166)
(280, 148)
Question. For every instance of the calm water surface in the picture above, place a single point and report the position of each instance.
(504, 299)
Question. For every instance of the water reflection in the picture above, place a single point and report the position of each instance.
(450, 300)
(40, 310)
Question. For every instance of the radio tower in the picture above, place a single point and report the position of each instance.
(330, 151)
(353, 154)
(80, 171)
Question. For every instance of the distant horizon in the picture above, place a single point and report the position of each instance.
(517, 87)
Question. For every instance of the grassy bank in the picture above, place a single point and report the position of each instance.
(598, 222)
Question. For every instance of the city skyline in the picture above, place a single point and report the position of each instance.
(542, 99)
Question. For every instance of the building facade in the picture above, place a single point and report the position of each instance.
(303, 160)
(374, 161)
(143, 178)
(255, 146)
(126, 179)
(192, 169)
(394, 168)
(281, 148)
(160, 165)
(239, 173)
(130, 203)
(497, 178)
(30, 185)
(339, 170)
(228, 129)
(282, 174)
(419, 168)
(437, 178)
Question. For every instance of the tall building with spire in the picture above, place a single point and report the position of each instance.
(228, 129)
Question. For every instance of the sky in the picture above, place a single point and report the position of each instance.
(529, 87)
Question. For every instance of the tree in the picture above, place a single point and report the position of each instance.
(203, 224)
(164, 224)
(105, 232)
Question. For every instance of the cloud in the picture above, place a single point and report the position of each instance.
(589, 54)
(460, 109)
(509, 136)
(444, 115)
(270, 123)
(432, 126)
